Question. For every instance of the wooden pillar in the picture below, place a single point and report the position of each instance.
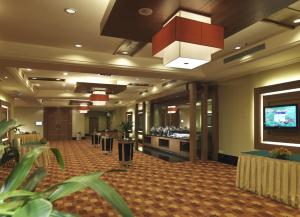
(204, 131)
(136, 135)
(193, 136)
(215, 122)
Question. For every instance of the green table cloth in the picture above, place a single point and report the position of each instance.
(264, 153)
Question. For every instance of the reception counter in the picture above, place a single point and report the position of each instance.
(24, 138)
(173, 145)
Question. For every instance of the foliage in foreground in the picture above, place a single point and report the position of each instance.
(18, 197)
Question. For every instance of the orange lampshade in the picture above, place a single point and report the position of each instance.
(99, 98)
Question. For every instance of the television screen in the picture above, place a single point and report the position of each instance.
(281, 116)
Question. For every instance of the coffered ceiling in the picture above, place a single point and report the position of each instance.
(40, 35)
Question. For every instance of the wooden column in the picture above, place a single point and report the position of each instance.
(215, 122)
(136, 135)
(204, 131)
(193, 136)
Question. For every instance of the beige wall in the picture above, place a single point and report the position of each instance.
(117, 117)
(4, 96)
(27, 117)
(236, 107)
(78, 123)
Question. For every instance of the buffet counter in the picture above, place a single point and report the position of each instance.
(177, 146)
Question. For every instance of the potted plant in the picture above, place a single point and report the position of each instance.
(280, 153)
(126, 127)
(18, 197)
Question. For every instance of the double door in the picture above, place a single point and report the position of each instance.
(58, 123)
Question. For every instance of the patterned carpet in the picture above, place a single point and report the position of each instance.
(156, 188)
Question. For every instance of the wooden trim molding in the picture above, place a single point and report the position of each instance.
(282, 94)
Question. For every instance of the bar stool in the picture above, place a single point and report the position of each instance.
(107, 144)
(125, 148)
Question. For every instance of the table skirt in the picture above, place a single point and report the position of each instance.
(274, 178)
(28, 137)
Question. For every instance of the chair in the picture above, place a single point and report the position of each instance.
(10, 153)
(107, 144)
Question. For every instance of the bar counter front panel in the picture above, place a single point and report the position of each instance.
(175, 145)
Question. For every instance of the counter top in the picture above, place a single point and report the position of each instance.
(166, 137)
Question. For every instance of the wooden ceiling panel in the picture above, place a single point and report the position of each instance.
(82, 87)
(124, 20)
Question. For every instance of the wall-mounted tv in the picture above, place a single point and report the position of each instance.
(281, 116)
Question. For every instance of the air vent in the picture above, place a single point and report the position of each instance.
(140, 84)
(168, 83)
(129, 48)
(245, 53)
(46, 79)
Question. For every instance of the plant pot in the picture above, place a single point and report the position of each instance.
(96, 139)
(125, 152)
(107, 144)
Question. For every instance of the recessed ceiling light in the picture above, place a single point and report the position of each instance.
(29, 70)
(58, 79)
(297, 20)
(6, 77)
(237, 48)
(78, 45)
(145, 11)
(125, 52)
(70, 10)
(34, 78)
(65, 73)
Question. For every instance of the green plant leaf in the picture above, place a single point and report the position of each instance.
(22, 169)
(35, 208)
(56, 213)
(58, 157)
(36, 177)
(65, 189)
(16, 193)
(6, 125)
(94, 182)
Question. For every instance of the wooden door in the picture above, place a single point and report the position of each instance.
(58, 123)
(94, 124)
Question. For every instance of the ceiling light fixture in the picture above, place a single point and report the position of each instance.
(172, 109)
(65, 73)
(29, 70)
(58, 79)
(187, 41)
(78, 45)
(125, 52)
(145, 11)
(237, 48)
(99, 98)
(83, 108)
(6, 77)
(70, 10)
(34, 78)
(296, 20)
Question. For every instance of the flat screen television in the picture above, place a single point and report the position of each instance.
(281, 116)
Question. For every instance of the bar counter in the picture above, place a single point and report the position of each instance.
(177, 146)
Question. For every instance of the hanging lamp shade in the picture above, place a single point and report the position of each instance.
(172, 109)
(83, 108)
(99, 98)
(187, 41)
